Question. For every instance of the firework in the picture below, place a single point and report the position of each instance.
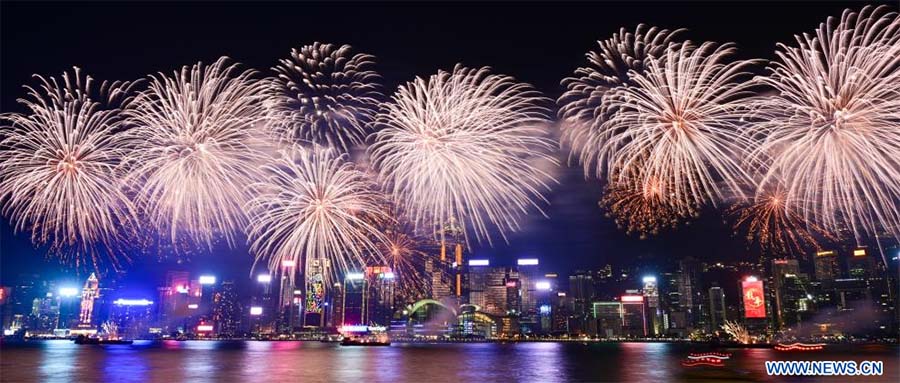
(196, 149)
(325, 95)
(738, 332)
(465, 146)
(643, 209)
(316, 205)
(405, 256)
(771, 223)
(832, 128)
(60, 167)
(609, 67)
(680, 124)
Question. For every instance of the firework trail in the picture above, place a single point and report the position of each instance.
(770, 222)
(643, 209)
(406, 258)
(197, 150)
(326, 95)
(60, 166)
(832, 130)
(315, 205)
(679, 124)
(465, 146)
(583, 102)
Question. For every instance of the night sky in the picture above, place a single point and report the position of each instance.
(536, 43)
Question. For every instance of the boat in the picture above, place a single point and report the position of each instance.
(366, 341)
(712, 365)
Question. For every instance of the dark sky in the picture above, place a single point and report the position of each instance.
(536, 43)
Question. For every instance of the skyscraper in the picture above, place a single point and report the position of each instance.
(827, 268)
(717, 316)
(355, 302)
(89, 293)
(382, 286)
(651, 296)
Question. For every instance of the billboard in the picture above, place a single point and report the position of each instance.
(754, 299)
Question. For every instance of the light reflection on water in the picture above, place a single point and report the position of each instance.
(228, 361)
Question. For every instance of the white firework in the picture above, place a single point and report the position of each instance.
(465, 146)
(680, 124)
(315, 205)
(832, 128)
(197, 150)
(60, 169)
(609, 67)
(326, 95)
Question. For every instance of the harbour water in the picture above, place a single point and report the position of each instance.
(256, 361)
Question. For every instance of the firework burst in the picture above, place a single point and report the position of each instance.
(60, 169)
(326, 95)
(643, 209)
(316, 205)
(197, 150)
(405, 256)
(770, 222)
(833, 127)
(609, 67)
(680, 124)
(465, 146)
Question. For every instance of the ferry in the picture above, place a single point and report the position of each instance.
(366, 340)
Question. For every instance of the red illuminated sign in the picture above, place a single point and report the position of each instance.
(754, 299)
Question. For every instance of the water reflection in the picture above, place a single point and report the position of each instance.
(218, 361)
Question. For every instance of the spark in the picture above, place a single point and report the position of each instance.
(315, 205)
(60, 169)
(832, 129)
(326, 95)
(197, 150)
(465, 145)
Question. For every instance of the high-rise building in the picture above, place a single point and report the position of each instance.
(227, 311)
(382, 286)
(634, 316)
(495, 294)
(529, 274)
(479, 269)
(793, 298)
(827, 268)
(861, 265)
(717, 316)
(315, 306)
(609, 318)
(133, 317)
(355, 302)
(89, 294)
(654, 309)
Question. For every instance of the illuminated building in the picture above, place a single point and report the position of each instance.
(717, 316)
(176, 298)
(792, 295)
(634, 316)
(827, 268)
(691, 295)
(753, 297)
(134, 317)
(289, 303)
(227, 311)
(513, 297)
(314, 308)
(609, 318)
(581, 293)
(479, 269)
(439, 283)
(355, 302)
(381, 285)
(529, 274)
(650, 292)
(89, 293)
(495, 291)
(862, 266)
